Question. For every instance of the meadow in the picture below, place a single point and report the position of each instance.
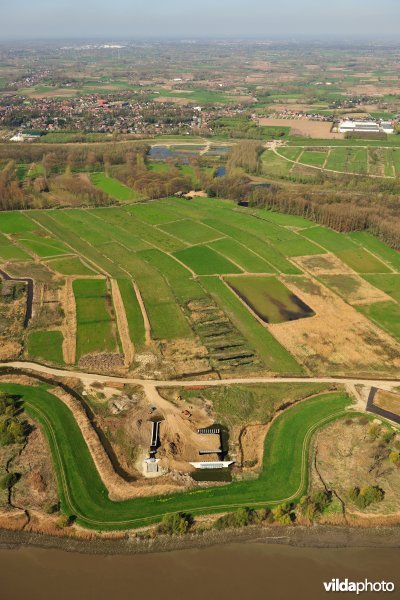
(179, 252)
(94, 322)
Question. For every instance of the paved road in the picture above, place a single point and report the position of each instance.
(88, 378)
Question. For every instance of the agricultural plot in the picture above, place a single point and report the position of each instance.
(95, 331)
(313, 157)
(271, 301)
(70, 265)
(46, 346)
(247, 260)
(275, 165)
(191, 232)
(205, 261)
(9, 251)
(355, 257)
(114, 188)
(15, 222)
(43, 247)
(385, 314)
(390, 284)
(378, 248)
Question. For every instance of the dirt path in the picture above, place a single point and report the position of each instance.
(146, 320)
(69, 326)
(122, 322)
(89, 378)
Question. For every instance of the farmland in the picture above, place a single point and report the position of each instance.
(206, 286)
(372, 160)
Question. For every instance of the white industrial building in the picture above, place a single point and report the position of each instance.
(350, 126)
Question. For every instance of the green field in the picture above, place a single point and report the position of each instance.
(384, 314)
(114, 188)
(72, 265)
(45, 247)
(46, 345)
(284, 475)
(15, 222)
(272, 301)
(204, 261)
(94, 323)
(389, 283)
(191, 232)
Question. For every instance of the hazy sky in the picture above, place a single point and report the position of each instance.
(197, 18)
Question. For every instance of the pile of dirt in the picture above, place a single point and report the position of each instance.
(103, 362)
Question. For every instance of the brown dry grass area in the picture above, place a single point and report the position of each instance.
(122, 322)
(38, 485)
(174, 99)
(322, 264)
(346, 457)
(9, 350)
(185, 357)
(337, 339)
(388, 401)
(252, 445)
(69, 326)
(58, 92)
(356, 290)
(303, 127)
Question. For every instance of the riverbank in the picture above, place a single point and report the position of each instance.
(297, 536)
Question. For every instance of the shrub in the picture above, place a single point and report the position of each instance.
(311, 506)
(367, 495)
(9, 480)
(283, 514)
(65, 521)
(175, 524)
(242, 517)
(394, 458)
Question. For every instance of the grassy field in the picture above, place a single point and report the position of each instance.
(384, 314)
(272, 301)
(284, 474)
(204, 261)
(93, 313)
(46, 345)
(71, 265)
(389, 283)
(167, 246)
(114, 188)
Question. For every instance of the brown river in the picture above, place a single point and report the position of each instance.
(245, 571)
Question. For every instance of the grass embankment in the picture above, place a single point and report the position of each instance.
(284, 475)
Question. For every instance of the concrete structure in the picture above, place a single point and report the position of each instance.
(220, 464)
(349, 126)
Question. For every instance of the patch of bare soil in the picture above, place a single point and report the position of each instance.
(388, 401)
(103, 362)
(37, 486)
(186, 357)
(69, 326)
(348, 457)
(303, 127)
(337, 339)
(322, 264)
(355, 290)
(252, 444)
(174, 99)
(122, 322)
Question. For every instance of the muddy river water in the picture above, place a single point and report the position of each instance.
(244, 571)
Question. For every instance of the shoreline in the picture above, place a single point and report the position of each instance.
(317, 536)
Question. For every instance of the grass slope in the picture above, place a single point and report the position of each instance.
(284, 475)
